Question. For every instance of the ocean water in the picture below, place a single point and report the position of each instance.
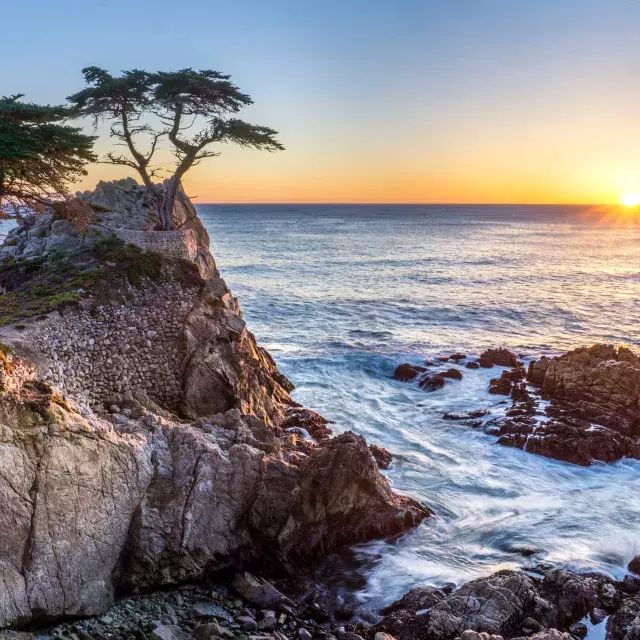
(342, 294)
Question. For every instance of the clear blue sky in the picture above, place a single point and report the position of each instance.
(447, 100)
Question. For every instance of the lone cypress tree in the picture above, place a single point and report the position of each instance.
(39, 156)
(193, 109)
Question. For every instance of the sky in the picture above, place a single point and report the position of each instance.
(459, 101)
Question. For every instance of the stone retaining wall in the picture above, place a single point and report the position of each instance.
(179, 244)
(115, 349)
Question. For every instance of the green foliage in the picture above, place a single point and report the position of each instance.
(130, 259)
(195, 110)
(39, 156)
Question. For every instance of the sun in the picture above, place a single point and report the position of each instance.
(630, 199)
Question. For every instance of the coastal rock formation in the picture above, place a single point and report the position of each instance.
(501, 357)
(594, 410)
(145, 438)
(594, 404)
(510, 604)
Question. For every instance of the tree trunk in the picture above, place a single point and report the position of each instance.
(166, 208)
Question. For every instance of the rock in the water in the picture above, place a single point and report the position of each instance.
(634, 565)
(624, 624)
(406, 372)
(381, 456)
(500, 386)
(453, 374)
(594, 411)
(431, 382)
(472, 365)
(500, 357)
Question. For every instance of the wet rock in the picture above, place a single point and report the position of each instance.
(634, 565)
(500, 386)
(515, 375)
(381, 456)
(456, 415)
(624, 624)
(458, 356)
(538, 370)
(501, 357)
(551, 634)
(474, 635)
(342, 493)
(431, 382)
(519, 394)
(406, 372)
(579, 630)
(508, 604)
(453, 374)
(472, 365)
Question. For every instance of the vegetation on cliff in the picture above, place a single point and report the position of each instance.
(39, 156)
(40, 285)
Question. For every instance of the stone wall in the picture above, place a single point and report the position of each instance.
(178, 244)
(115, 349)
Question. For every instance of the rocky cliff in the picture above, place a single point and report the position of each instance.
(145, 438)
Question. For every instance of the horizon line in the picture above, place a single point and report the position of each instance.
(417, 204)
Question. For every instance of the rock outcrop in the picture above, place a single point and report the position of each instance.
(594, 404)
(163, 443)
(513, 604)
(594, 411)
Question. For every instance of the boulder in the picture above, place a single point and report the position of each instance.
(406, 372)
(634, 565)
(453, 374)
(259, 592)
(500, 386)
(500, 357)
(431, 382)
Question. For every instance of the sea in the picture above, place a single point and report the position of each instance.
(342, 294)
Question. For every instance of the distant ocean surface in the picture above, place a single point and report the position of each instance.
(342, 294)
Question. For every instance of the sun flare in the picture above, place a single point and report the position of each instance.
(631, 199)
